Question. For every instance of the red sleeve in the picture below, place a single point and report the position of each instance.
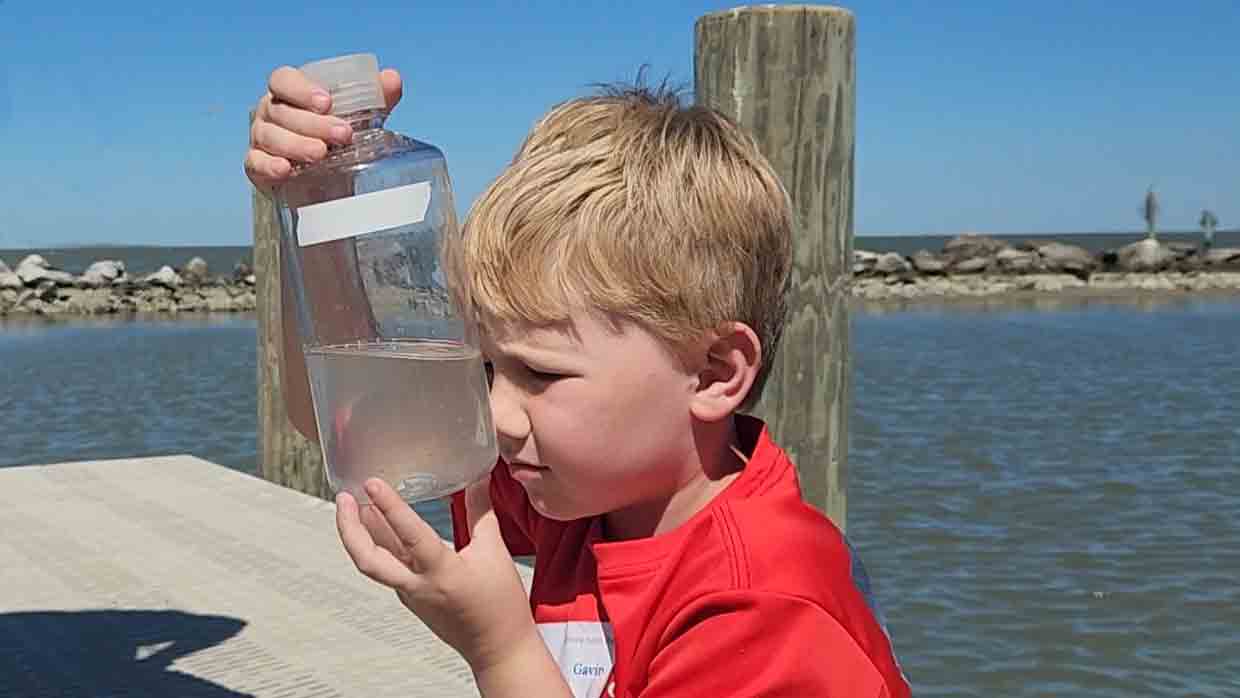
(746, 643)
(517, 521)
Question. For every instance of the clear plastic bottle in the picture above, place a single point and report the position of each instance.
(395, 372)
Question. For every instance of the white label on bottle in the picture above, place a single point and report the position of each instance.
(361, 214)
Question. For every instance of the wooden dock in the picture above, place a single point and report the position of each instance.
(175, 576)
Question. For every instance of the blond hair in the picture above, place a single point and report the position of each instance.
(629, 203)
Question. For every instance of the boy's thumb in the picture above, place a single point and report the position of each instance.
(483, 523)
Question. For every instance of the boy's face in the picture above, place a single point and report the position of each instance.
(590, 420)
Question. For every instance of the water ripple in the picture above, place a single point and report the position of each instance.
(1049, 502)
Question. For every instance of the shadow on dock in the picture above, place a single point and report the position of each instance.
(108, 653)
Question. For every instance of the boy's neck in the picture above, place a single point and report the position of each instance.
(718, 460)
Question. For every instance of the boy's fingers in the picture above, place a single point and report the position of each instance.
(279, 141)
(307, 123)
(382, 533)
(422, 544)
(392, 87)
(290, 85)
(370, 559)
(266, 170)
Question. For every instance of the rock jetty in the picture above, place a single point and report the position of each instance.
(33, 287)
(980, 266)
(968, 266)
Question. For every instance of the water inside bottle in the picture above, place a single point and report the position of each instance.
(413, 413)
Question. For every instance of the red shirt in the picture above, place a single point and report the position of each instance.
(755, 595)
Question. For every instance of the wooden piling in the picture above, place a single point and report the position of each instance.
(787, 74)
(285, 456)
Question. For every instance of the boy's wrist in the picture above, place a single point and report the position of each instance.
(501, 654)
(523, 668)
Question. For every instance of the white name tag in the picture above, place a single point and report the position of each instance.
(364, 213)
(586, 653)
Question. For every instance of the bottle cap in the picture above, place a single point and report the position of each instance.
(352, 81)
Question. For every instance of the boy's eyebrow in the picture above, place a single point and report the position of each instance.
(524, 354)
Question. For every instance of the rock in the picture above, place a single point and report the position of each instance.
(927, 262)
(250, 280)
(1216, 256)
(1055, 282)
(1143, 255)
(10, 280)
(891, 263)
(156, 298)
(153, 292)
(241, 271)
(33, 260)
(4, 268)
(27, 295)
(34, 270)
(195, 272)
(1071, 259)
(217, 299)
(89, 301)
(245, 302)
(93, 279)
(103, 273)
(109, 269)
(864, 261)
(972, 245)
(31, 269)
(46, 290)
(190, 302)
(1015, 261)
(165, 277)
(971, 265)
(1156, 282)
(60, 278)
(1182, 250)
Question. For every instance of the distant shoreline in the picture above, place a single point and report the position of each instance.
(75, 258)
(107, 287)
(970, 270)
(998, 293)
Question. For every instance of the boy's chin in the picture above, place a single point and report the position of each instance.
(550, 511)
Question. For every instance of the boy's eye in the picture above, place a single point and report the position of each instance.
(535, 374)
(542, 375)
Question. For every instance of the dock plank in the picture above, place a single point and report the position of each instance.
(177, 576)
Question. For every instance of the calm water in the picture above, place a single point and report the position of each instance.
(1049, 499)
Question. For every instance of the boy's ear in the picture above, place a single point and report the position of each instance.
(730, 367)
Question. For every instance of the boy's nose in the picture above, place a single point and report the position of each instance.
(512, 425)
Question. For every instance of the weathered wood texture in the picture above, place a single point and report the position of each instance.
(286, 457)
(787, 74)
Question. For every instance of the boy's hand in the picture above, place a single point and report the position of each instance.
(473, 600)
(292, 123)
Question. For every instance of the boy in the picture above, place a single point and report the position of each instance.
(628, 270)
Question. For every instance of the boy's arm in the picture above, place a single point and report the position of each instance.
(747, 643)
(473, 599)
(529, 672)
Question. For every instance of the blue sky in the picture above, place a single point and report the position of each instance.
(125, 122)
